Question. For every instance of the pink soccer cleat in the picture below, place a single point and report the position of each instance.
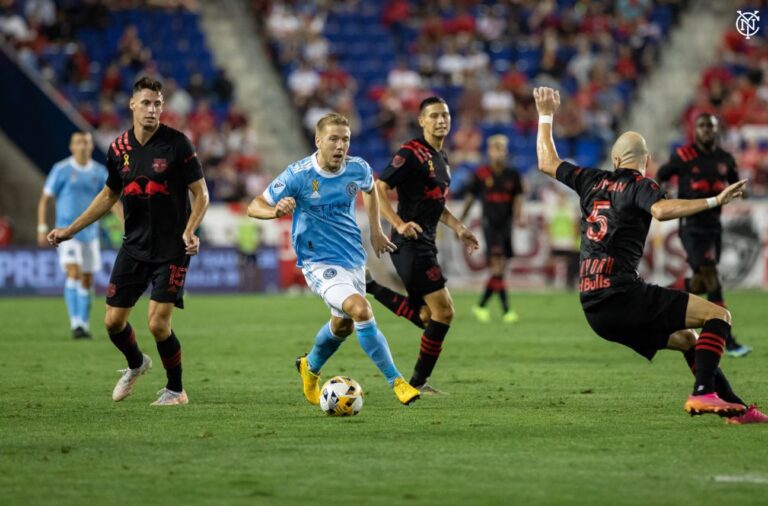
(751, 415)
(711, 403)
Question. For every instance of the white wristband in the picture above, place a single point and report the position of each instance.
(545, 118)
(712, 202)
(42, 228)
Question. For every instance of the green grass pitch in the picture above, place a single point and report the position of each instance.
(539, 412)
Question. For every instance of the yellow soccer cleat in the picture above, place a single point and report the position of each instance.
(405, 393)
(510, 316)
(310, 381)
(483, 314)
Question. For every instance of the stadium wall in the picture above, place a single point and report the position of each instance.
(222, 268)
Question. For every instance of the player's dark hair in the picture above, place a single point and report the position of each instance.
(147, 83)
(429, 101)
(706, 115)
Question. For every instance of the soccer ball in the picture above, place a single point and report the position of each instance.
(341, 396)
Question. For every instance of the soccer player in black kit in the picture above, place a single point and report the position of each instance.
(702, 170)
(420, 173)
(153, 168)
(499, 189)
(617, 207)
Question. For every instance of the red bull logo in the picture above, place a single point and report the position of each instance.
(435, 193)
(154, 188)
(133, 188)
(144, 188)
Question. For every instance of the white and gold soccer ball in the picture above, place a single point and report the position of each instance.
(341, 396)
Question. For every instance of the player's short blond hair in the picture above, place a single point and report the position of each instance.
(331, 118)
(498, 139)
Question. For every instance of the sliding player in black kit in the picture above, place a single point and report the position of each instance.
(702, 170)
(420, 174)
(617, 207)
(154, 168)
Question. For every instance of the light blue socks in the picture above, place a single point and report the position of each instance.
(375, 346)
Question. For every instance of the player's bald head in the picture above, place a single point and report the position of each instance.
(630, 151)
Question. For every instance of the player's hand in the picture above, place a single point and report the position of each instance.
(733, 191)
(42, 239)
(547, 100)
(57, 236)
(521, 221)
(409, 230)
(468, 238)
(285, 207)
(191, 243)
(381, 243)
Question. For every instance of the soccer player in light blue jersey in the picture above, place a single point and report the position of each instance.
(320, 190)
(72, 184)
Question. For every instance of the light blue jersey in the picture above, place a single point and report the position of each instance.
(324, 225)
(74, 187)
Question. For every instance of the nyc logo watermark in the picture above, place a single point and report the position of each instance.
(747, 24)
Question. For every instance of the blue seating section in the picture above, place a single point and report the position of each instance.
(174, 37)
(367, 50)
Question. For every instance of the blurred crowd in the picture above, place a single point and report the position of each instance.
(484, 57)
(735, 88)
(92, 51)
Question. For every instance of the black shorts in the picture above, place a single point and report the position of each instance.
(498, 243)
(702, 247)
(641, 318)
(419, 270)
(131, 277)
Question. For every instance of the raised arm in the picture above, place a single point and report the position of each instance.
(547, 102)
(379, 241)
(670, 209)
(100, 206)
(200, 201)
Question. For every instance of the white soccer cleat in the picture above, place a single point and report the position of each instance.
(171, 398)
(124, 386)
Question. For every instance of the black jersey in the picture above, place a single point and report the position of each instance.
(616, 216)
(153, 180)
(421, 176)
(700, 175)
(497, 191)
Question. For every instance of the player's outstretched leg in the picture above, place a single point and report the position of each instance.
(685, 341)
(170, 352)
(395, 302)
(376, 347)
(138, 362)
(708, 351)
(309, 366)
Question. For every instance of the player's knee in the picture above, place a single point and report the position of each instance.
(425, 315)
(343, 328)
(160, 328)
(443, 313)
(113, 324)
(360, 310)
(719, 313)
(683, 340)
